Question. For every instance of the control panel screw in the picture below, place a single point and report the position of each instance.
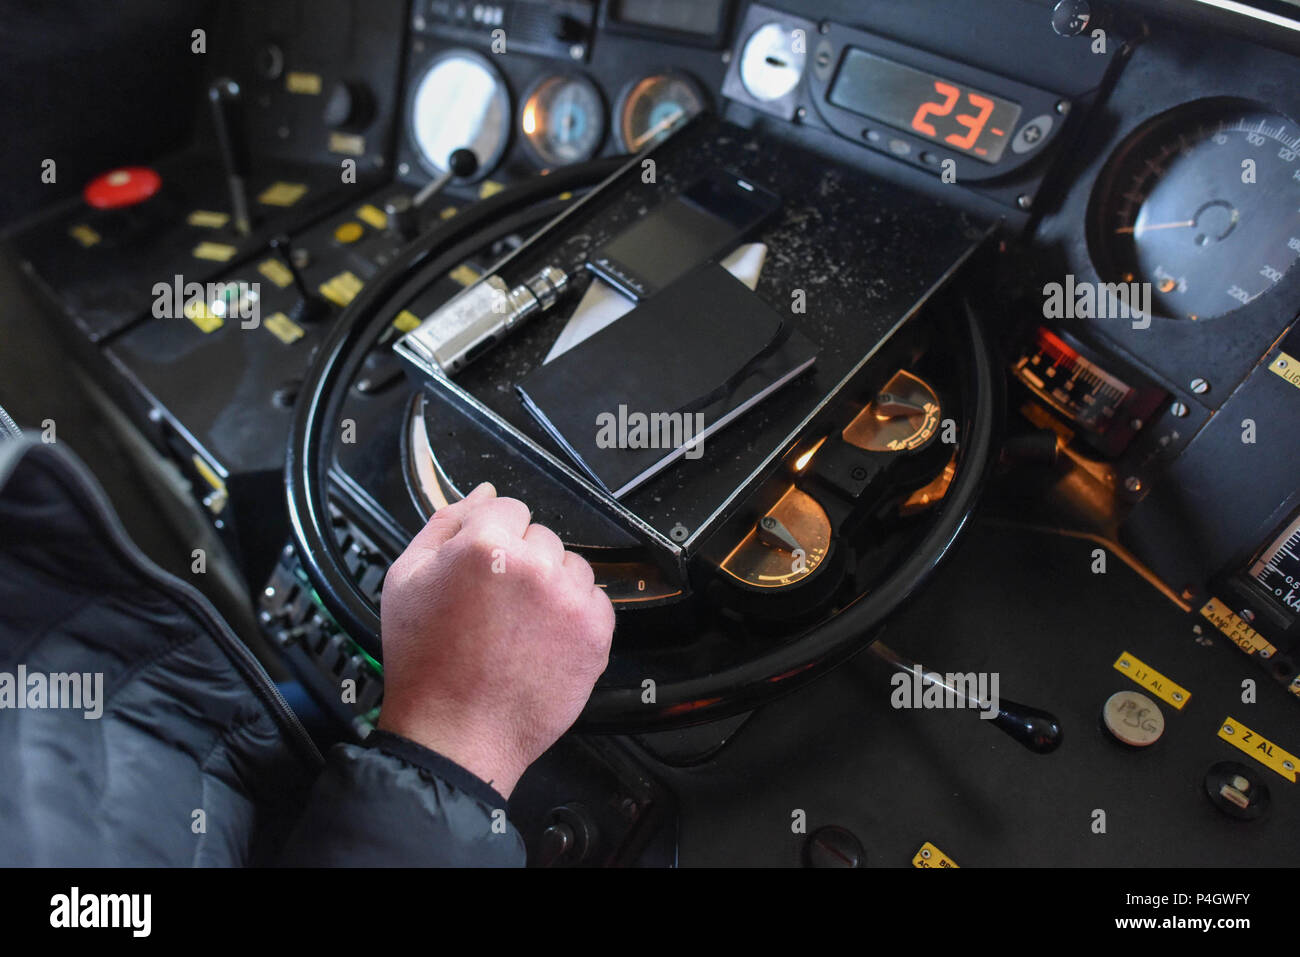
(1200, 386)
(1024, 201)
(577, 51)
(824, 27)
(1133, 483)
(799, 114)
(1062, 107)
(1179, 409)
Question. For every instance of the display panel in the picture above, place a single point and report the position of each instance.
(700, 17)
(970, 121)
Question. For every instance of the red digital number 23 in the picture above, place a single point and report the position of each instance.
(950, 93)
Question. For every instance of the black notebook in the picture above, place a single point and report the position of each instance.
(652, 386)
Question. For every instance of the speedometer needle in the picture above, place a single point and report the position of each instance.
(1147, 229)
(666, 123)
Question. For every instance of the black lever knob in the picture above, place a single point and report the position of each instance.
(232, 145)
(309, 307)
(1037, 730)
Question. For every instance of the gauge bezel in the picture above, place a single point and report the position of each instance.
(606, 120)
(1106, 188)
(624, 96)
(486, 163)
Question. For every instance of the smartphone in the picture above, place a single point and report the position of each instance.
(700, 223)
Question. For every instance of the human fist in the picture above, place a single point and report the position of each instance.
(493, 637)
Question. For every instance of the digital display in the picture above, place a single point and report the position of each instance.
(700, 17)
(969, 121)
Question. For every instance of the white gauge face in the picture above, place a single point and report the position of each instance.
(772, 62)
(460, 102)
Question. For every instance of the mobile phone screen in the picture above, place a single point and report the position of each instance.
(700, 223)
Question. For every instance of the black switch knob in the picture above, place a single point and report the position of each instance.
(309, 307)
(1070, 18)
(833, 846)
(348, 107)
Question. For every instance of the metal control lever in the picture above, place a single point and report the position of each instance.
(309, 307)
(404, 212)
(1037, 730)
(227, 117)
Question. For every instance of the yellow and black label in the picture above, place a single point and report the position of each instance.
(406, 321)
(84, 235)
(1146, 677)
(1288, 367)
(931, 856)
(342, 289)
(1260, 748)
(275, 271)
(282, 194)
(283, 328)
(1239, 633)
(199, 312)
(373, 216)
(216, 252)
(465, 274)
(349, 144)
(307, 84)
(207, 219)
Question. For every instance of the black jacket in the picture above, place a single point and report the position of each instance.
(195, 759)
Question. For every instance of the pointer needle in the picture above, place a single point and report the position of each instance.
(1135, 230)
(666, 123)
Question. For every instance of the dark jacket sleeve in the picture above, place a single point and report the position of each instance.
(394, 803)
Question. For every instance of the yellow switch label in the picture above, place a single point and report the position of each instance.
(1151, 680)
(489, 187)
(207, 219)
(406, 321)
(282, 194)
(217, 252)
(1260, 748)
(931, 856)
(342, 289)
(283, 328)
(349, 232)
(200, 313)
(465, 274)
(1239, 633)
(1288, 367)
(275, 271)
(349, 144)
(84, 235)
(373, 216)
(308, 84)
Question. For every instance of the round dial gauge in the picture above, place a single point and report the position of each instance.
(1205, 207)
(785, 546)
(563, 120)
(654, 106)
(460, 102)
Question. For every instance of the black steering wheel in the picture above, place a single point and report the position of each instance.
(731, 689)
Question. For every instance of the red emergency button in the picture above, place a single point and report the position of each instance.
(122, 187)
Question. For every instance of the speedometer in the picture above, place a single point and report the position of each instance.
(1203, 204)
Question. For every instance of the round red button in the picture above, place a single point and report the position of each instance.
(122, 187)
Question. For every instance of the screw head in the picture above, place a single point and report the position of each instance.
(1199, 386)
(1024, 201)
(1133, 483)
(1179, 409)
